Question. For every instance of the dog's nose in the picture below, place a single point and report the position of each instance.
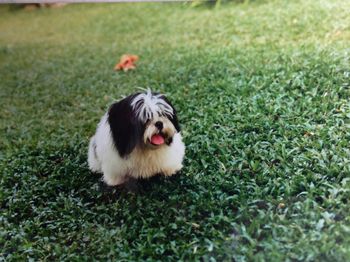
(159, 125)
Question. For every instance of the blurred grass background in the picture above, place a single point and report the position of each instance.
(262, 92)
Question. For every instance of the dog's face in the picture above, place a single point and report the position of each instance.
(145, 120)
(159, 131)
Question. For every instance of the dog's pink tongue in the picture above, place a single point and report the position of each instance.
(157, 140)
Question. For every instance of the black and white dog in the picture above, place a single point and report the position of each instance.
(138, 137)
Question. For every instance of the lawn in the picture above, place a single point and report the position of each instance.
(262, 91)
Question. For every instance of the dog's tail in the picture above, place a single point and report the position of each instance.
(94, 164)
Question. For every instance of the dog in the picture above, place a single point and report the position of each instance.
(138, 137)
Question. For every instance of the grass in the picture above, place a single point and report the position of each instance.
(262, 92)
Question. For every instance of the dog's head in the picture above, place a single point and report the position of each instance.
(144, 120)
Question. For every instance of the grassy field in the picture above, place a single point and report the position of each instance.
(262, 91)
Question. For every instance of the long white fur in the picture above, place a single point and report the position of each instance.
(152, 106)
(104, 158)
(140, 163)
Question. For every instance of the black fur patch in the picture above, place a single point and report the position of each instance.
(169, 141)
(126, 129)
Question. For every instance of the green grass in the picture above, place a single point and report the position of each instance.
(262, 91)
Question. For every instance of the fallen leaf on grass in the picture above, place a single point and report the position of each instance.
(281, 205)
(195, 225)
(308, 134)
(126, 62)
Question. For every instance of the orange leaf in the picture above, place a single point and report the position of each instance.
(127, 62)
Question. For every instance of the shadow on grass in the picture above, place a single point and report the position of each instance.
(47, 172)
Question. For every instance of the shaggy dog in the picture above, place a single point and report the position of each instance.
(138, 137)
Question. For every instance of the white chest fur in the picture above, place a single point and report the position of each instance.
(166, 160)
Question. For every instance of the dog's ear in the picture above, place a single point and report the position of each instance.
(126, 129)
(173, 119)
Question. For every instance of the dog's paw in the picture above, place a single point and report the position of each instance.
(115, 180)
